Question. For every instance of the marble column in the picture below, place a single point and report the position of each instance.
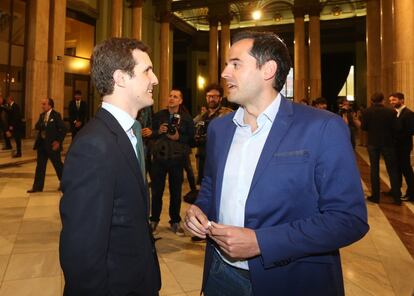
(164, 79)
(373, 43)
(117, 10)
(315, 54)
(224, 47)
(137, 19)
(387, 46)
(299, 87)
(56, 53)
(404, 53)
(213, 51)
(37, 61)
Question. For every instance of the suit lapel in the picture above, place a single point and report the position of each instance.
(225, 142)
(124, 144)
(278, 131)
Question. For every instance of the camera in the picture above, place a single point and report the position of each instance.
(173, 124)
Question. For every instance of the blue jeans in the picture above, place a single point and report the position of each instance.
(225, 280)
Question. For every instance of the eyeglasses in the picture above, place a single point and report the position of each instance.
(212, 96)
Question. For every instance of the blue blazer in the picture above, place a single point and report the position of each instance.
(305, 200)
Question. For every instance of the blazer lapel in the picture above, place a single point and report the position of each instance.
(124, 144)
(225, 142)
(279, 129)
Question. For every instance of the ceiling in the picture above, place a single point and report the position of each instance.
(196, 13)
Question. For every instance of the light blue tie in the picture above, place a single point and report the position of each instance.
(136, 128)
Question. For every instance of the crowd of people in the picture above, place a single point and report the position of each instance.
(11, 125)
(279, 190)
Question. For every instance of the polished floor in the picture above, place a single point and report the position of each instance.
(380, 264)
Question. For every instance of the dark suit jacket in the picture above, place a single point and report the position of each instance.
(14, 117)
(54, 130)
(380, 123)
(77, 114)
(305, 200)
(405, 130)
(106, 246)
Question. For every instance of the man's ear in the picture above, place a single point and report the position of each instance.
(119, 78)
(269, 70)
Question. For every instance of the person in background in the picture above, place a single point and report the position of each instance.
(15, 125)
(51, 132)
(320, 103)
(77, 113)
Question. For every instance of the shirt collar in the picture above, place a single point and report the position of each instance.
(270, 112)
(400, 109)
(123, 118)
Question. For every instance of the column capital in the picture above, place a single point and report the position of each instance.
(315, 10)
(298, 11)
(136, 3)
(226, 19)
(163, 10)
(213, 21)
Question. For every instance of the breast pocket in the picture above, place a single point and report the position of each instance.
(291, 157)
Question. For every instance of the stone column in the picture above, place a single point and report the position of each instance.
(373, 48)
(315, 53)
(164, 81)
(56, 53)
(117, 10)
(137, 19)
(299, 86)
(37, 61)
(404, 53)
(387, 46)
(224, 47)
(213, 51)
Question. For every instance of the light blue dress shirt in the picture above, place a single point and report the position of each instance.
(244, 154)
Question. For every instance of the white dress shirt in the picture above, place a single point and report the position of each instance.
(125, 120)
(241, 163)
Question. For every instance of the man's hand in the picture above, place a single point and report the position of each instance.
(196, 222)
(55, 145)
(146, 132)
(237, 242)
(163, 128)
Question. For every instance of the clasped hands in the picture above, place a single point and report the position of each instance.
(237, 242)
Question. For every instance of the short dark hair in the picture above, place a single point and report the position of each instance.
(77, 93)
(397, 95)
(111, 55)
(268, 46)
(179, 90)
(51, 102)
(320, 100)
(377, 97)
(214, 86)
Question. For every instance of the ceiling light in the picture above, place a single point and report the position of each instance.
(257, 14)
(336, 10)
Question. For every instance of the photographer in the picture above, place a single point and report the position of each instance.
(350, 118)
(214, 95)
(172, 133)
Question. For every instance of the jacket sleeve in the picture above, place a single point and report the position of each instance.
(341, 218)
(86, 211)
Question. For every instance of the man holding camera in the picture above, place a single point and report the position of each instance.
(172, 131)
(214, 95)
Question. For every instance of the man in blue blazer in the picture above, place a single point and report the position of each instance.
(281, 191)
(106, 244)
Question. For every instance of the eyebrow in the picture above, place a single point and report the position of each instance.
(233, 60)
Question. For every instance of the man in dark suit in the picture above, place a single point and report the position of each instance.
(106, 245)
(380, 124)
(15, 125)
(51, 132)
(281, 191)
(77, 113)
(404, 143)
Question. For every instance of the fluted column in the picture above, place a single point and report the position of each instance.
(299, 58)
(117, 10)
(315, 54)
(387, 44)
(56, 53)
(373, 48)
(404, 53)
(213, 51)
(37, 60)
(137, 19)
(224, 47)
(164, 61)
